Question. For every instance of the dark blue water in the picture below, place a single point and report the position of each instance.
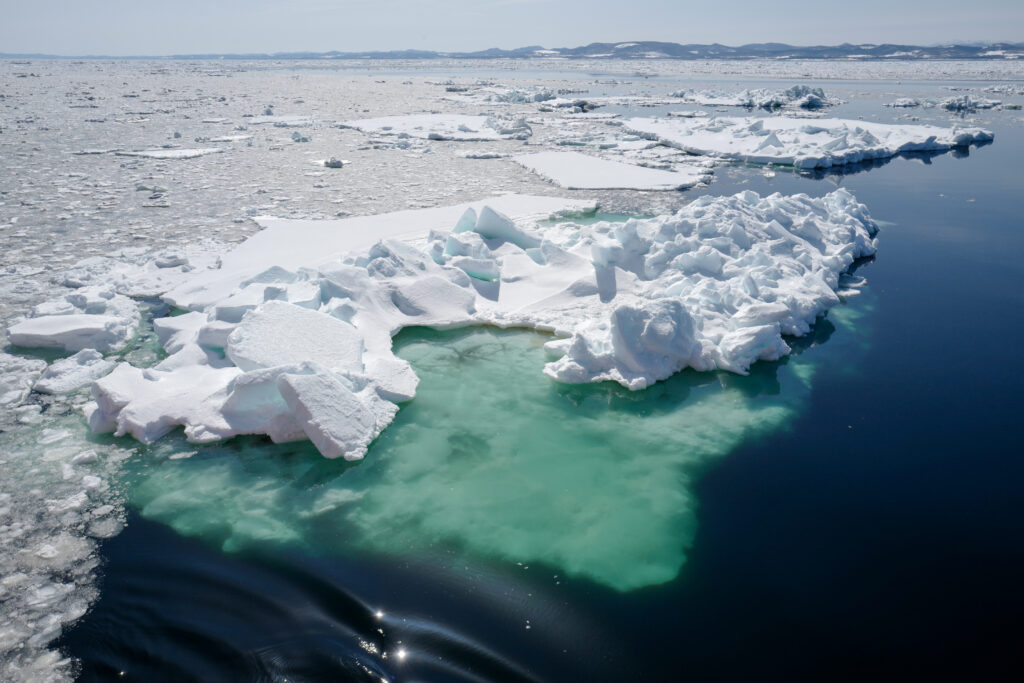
(879, 536)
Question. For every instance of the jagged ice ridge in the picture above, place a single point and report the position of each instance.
(305, 351)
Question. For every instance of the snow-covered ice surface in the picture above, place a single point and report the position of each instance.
(445, 127)
(576, 171)
(326, 240)
(76, 218)
(820, 143)
(171, 153)
(303, 328)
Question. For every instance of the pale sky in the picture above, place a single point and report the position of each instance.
(164, 27)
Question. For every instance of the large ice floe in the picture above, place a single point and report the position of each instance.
(820, 143)
(292, 336)
(576, 171)
(459, 127)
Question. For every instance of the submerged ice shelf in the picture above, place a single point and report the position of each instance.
(593, 481)
(292, 335)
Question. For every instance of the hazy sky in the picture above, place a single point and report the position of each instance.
(151, 27)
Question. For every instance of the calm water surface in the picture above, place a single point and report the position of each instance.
(851, 512)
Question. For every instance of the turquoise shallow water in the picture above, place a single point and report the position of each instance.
(493, 460)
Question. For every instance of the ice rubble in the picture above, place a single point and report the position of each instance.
(967, 103)
(816, 144)
(460, 127)
(576, 171)
(906, 102)
(89, 318)
(71, 373)
(797, 97)
(293, 339)
(57, 503)
(17, 375)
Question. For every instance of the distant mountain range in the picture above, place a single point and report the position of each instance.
(640, 50)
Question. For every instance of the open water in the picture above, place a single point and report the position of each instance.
(850, 512)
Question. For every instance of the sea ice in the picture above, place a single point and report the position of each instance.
(905, 102)
(226, 138)
(286, 245)
(967, 103)
(459, 127)
(17, 375)
(90, 318)
(817, 144)
(797, 97)
(68, 374)
(285, 121)
(512, 475)
(576, 171)
(171, 153)
(280, 333)
(714, 286)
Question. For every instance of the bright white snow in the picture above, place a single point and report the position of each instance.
(577, 171)
(89, 318)
(459, 127)
(296, 343)
(820, 143)
(171, 153)
(67, 374)
(798, 97)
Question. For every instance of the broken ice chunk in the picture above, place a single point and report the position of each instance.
(331, 415)
(69, 332)
(280, 333)
(68, 374)
(17, 376)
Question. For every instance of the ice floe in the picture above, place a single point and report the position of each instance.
(797, 97)
(907, 102)
(967, 103)
(459, 127)
(576, 171)
(74, 372)
(805, 144)
(89, 318)
(288, 245)
(171, 153)
(285, 334)
(287, 121)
